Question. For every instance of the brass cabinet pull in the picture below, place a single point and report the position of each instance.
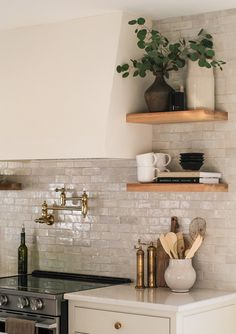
(117, 325)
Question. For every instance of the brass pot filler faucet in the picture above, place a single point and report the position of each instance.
(48, 219)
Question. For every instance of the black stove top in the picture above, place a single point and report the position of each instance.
(42, 292)
(53, 283)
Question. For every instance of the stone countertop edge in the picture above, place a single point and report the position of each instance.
(119, 295)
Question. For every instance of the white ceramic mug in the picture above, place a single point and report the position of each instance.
(146, 159)
(162, 160)
(146, 173)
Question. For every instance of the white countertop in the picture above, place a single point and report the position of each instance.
(161, 299)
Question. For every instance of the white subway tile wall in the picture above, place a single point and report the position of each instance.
(214, 262)
(103, 242)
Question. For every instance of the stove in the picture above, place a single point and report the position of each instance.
(40, 297)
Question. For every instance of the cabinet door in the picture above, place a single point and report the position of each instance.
(105, 322)
(219, 321)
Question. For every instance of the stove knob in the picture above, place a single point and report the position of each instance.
(36, 304)
(3, 300)
(22, 302)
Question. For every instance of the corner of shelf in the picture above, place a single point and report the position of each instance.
(10, 186)
(183, 187)
(184, 116)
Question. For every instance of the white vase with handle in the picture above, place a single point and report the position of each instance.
(180, 275)
(200, 87)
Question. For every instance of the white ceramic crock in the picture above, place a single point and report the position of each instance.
(180, 275)
(200, 87)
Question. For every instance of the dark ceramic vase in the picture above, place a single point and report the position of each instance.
(158, 95)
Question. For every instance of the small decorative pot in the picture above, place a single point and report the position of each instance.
(180, 275)
(200, 87)
(158, 95)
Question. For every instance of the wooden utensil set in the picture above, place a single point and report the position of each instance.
(174, 245)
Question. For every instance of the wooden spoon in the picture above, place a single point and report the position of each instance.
(197, 243)
(197, 226)
(171, 240)
(180, 245)
(165, 245)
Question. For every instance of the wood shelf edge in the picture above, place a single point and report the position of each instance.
(183, 187)
(185, 116)
(11, 186)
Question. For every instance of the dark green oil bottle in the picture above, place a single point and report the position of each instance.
(22, 254)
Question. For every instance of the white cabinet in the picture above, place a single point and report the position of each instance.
(93, 321)
(124, 310)
(217, 321)
(105, 322)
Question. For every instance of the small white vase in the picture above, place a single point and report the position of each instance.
(180, 275)
(200, 87)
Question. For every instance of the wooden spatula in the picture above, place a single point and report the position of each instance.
(197, 243)
(165, 245)
(171, 240)
(180, 245)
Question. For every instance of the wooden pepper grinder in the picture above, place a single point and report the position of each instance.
(162, 257)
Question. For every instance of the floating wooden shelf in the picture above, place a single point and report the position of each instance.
(10, 186)
(198, 115)
(183, 187)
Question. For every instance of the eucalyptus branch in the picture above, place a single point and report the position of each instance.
(162, 56)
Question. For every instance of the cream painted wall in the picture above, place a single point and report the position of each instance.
(60, 95)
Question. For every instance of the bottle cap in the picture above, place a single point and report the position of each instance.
(23, 228)
(181, 88)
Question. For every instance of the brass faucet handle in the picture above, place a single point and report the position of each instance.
(62, 190)
(84, 203)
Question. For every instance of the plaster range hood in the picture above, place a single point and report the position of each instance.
(61, 96)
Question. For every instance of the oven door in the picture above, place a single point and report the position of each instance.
(44, 324)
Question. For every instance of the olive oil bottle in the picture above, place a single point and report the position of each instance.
(22, 254)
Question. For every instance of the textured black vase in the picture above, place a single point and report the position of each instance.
(157, 96)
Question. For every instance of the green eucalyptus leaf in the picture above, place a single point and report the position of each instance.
(125, 75)
(142, 74)
(207, 43)
(177, 45)
(207, 64)
(125, 67)
(132, 22)
(201, 49)
(119, 69)
(180, 63)
(141, 44)
(210, 53)
(141, 21)
(193, 56)
(136, 73)
(194, 46)
(142, 34)
(201, 62)
(208, 36)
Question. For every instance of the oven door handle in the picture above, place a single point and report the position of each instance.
(47, 324)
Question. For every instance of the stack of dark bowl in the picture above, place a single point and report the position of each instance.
(191, 161)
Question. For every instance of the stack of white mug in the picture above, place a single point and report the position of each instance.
(149, 164)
